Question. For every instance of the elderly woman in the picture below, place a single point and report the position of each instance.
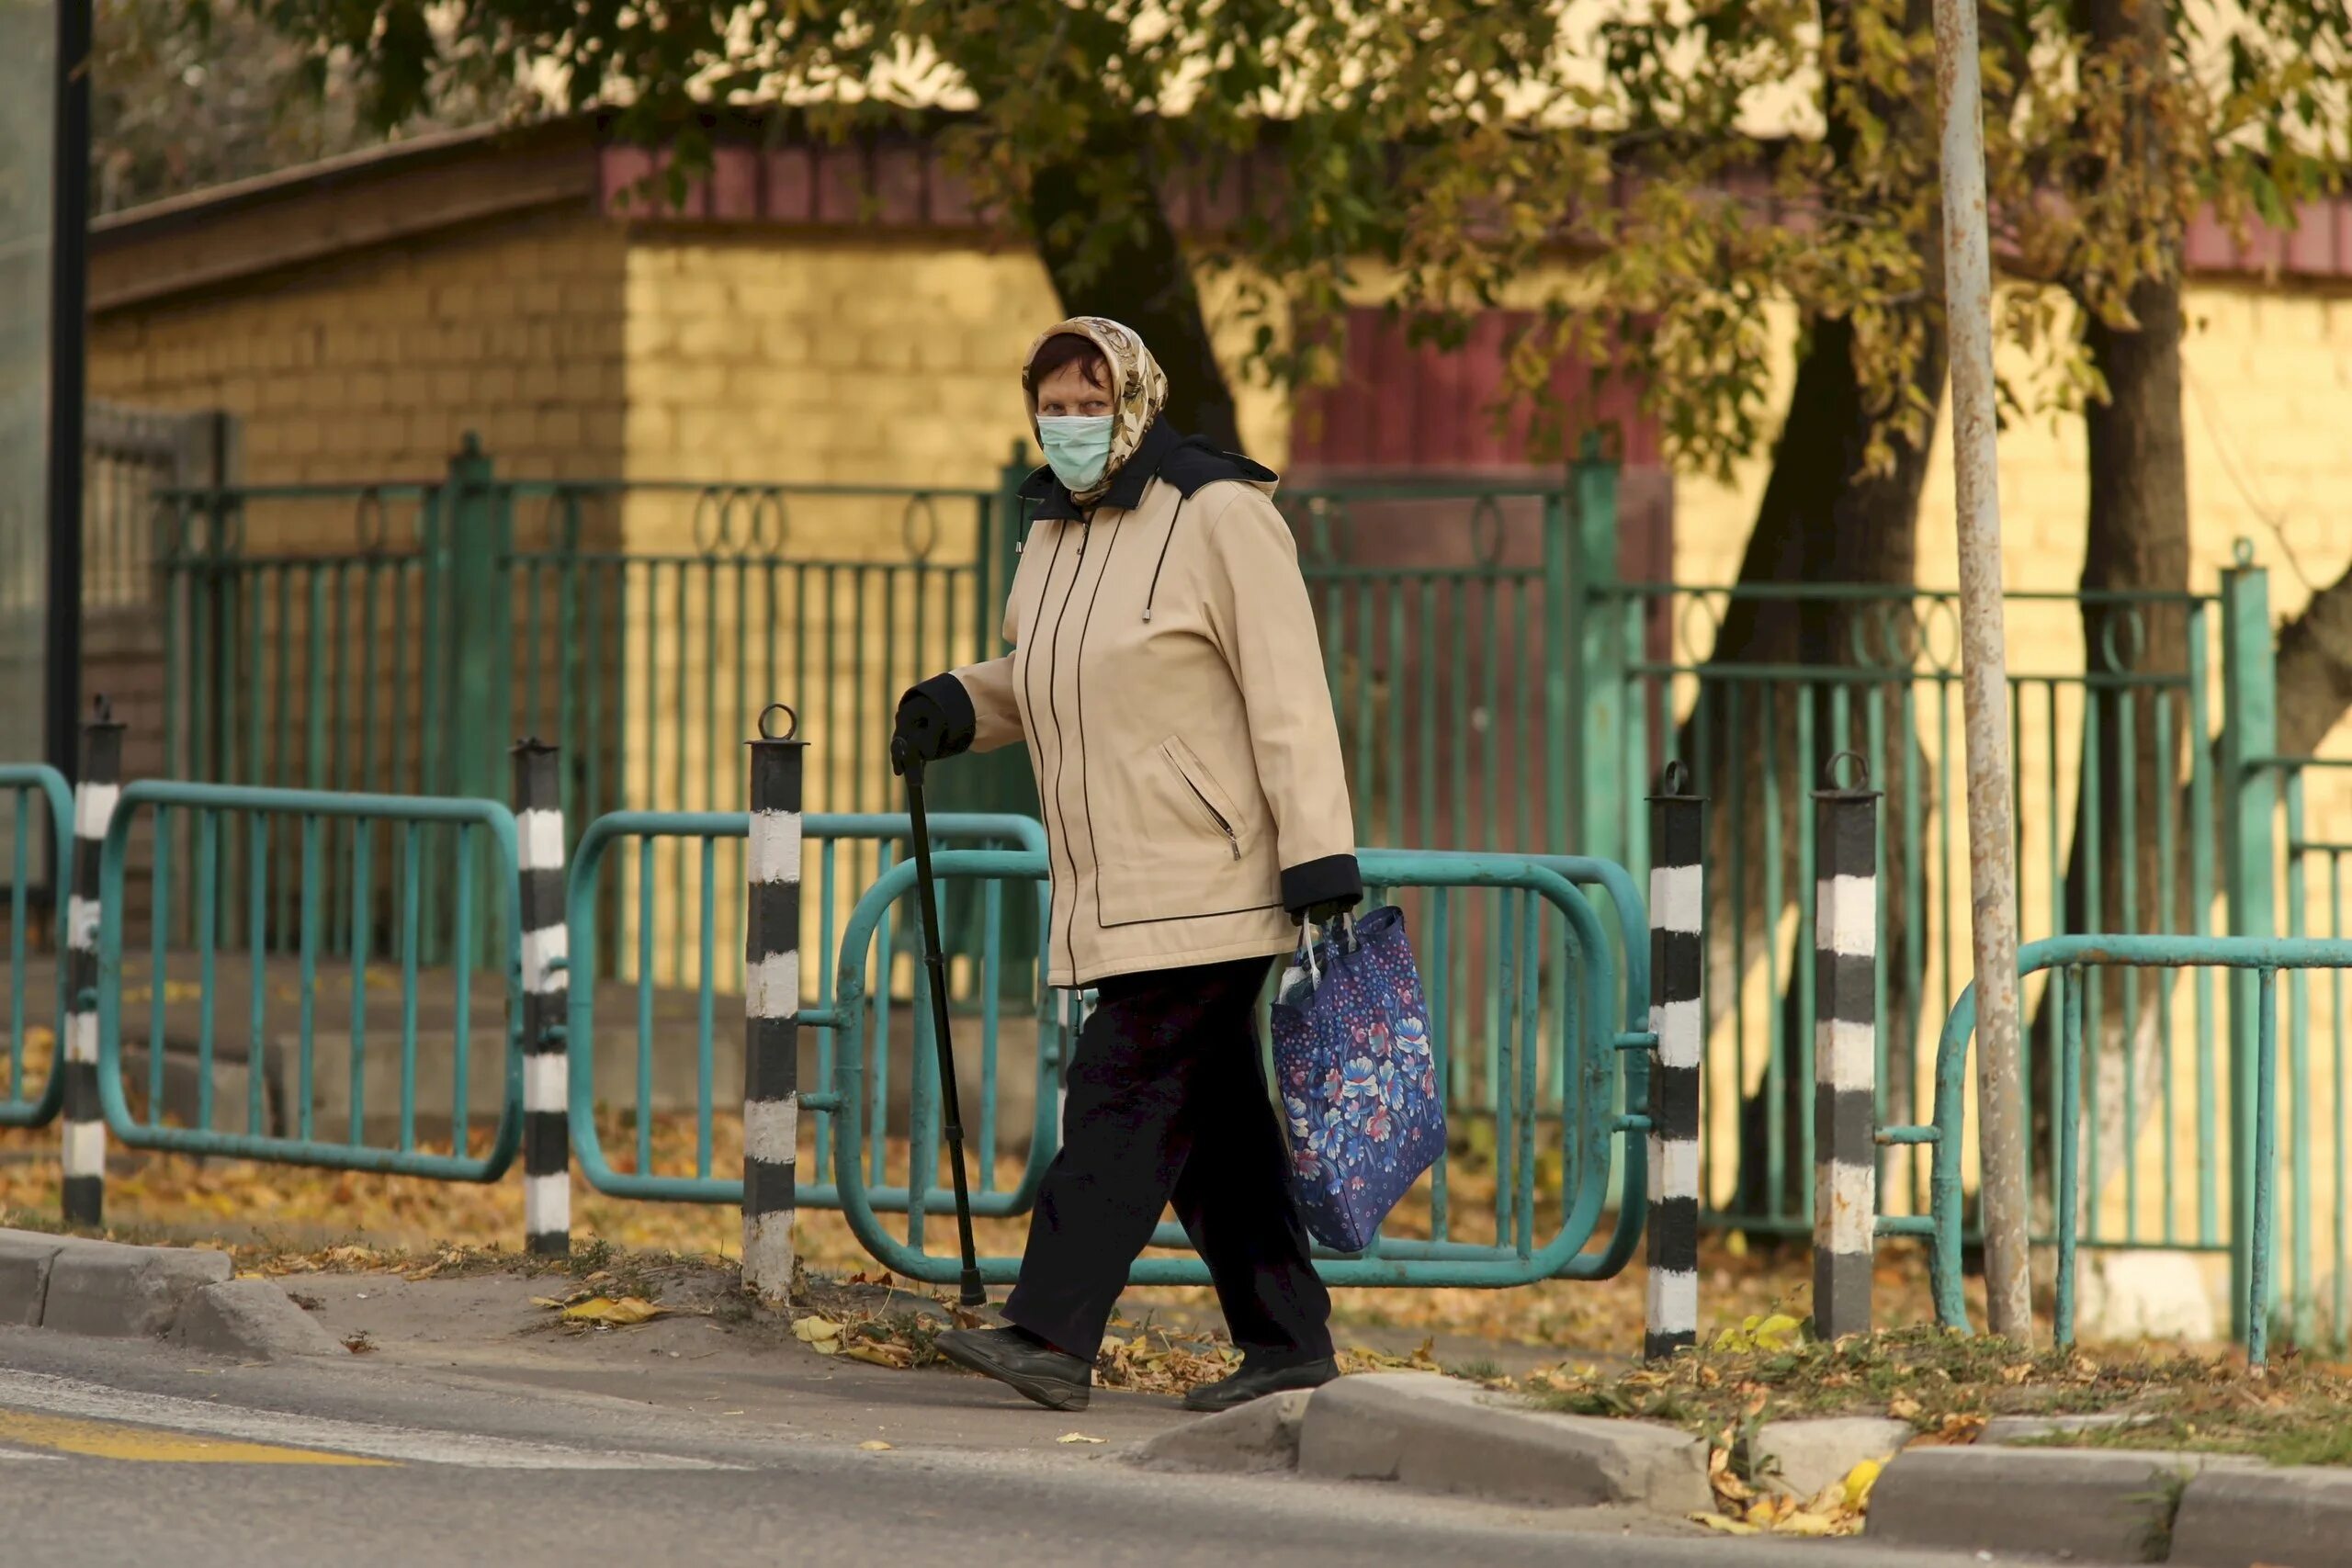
(1167, 680)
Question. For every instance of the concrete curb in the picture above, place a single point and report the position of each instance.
(2100, 1505)
(1438, 1434)
(2232, 1517)
(254, 1318)
(1803, 1459)
(108, 1289)
(1259, 1436)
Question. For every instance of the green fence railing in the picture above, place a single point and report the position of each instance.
(2113, 699)
(392, 638)
(2268, 1302)
(1503, 1012)
(1548, 1017)
(41, 868)
(356, 1088)
(687, 1044)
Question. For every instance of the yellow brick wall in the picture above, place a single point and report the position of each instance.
(373, 365)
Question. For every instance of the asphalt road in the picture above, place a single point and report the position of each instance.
(113, 1453)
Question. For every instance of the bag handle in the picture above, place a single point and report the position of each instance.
(1342, 929)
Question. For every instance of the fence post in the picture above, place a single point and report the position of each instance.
(100, 787)
(476, 626)
(2249, 730)
(546, 1118)
(1677, 911)
(1845, 1049)
(772, 1008)
(1606, 739)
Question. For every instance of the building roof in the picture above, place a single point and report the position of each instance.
(764, 171)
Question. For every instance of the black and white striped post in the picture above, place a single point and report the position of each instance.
(546, 1093)
(94, 794)
(1845, 1049)
(1678, 915)
(772, 1008)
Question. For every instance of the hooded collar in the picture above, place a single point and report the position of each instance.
(1055, 505)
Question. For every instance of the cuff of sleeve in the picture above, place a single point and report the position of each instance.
(1334, 879)
(957, 721)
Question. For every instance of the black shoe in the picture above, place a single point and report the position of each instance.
(1056, 1380)
(1259, 1377)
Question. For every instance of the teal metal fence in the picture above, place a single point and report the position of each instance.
(222, 1007)
(41, 870)
(2268, 1302)
(1012, 1049)
(389, 638)
(703, 1023)
(2114, 704)
(1556, 1049)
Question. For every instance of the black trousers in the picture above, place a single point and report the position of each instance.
(1168, 1102)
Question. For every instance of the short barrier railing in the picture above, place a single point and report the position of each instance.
(35, 792)
(827, 834)
(1574, 1001)
(2073, 962)
(281, 970)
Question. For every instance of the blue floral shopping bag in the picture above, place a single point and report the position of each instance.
(1361, 1098)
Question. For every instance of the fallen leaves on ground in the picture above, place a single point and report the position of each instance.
(292, 1219)
(874, 1445)
(1743, 1507)
(1077, 1438)
(1762, 1331)
(613, 1313)
(821, 1334)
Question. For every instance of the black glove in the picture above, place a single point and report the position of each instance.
(934, 722)
(1325, 913)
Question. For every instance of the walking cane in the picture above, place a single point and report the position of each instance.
(936, 961)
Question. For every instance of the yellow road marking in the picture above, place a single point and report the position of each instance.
(153, 1444)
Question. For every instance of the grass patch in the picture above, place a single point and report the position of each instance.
(1949, 1386)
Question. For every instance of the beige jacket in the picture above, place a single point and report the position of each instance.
(1166, 678)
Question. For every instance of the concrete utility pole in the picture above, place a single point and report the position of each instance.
(1992, 835)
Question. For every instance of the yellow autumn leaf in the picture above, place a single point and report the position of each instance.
(1725, 1524)
(1778, 1332)
(814, 1330)
(1858, 1482)
(874, 1445)
(1077, 1438)
(881, 1355)
(551, 1302)
(1804, 1522)
(619, 1314)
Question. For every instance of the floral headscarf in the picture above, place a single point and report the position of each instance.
(1139, 390)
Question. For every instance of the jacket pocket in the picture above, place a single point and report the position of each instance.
(1216, 805)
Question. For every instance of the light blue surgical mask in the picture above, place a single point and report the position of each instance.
(1079, 447)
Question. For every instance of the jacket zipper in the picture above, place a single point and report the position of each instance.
(1053, 705)
(1214, 815)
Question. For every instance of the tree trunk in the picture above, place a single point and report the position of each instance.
(2135, 657)
(1823, 520)
(1142, 279)
(2315, 670)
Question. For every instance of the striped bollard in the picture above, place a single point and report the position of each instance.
(1845, 1050)
(1678, 915)
(547, 1088)
(84, 1122)
(772, 1008)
